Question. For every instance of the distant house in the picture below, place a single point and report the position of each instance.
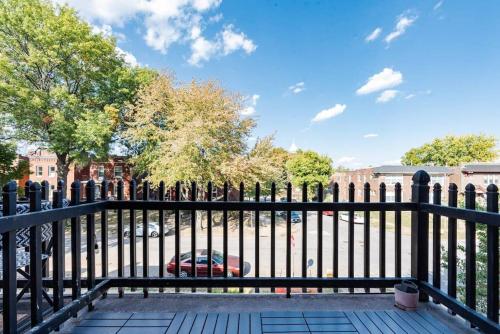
(481, 175)
(390, 175)
(43, 166)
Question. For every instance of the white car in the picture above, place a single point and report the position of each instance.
(357, 218)
(153, 230)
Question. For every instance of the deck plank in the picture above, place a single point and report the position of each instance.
(199, 323)
(388, 321)
(376, 321)
(176, 323)
(232, 323)
(255, 323)
(187, 324)
(369, 324)
(421, 328)
(244, 325)
(357, 323)
(433, 321)
(209, 326)
(221, 326)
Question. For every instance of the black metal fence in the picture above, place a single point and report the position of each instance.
(94, 285)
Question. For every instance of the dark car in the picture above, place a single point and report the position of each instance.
(233, 269)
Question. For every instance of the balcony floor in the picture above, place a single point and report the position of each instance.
(202, 313)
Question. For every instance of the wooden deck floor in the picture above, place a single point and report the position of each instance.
(363, 322)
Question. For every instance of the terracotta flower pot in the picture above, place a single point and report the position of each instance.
(406, 295)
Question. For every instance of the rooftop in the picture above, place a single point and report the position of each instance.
(410, 170)
(481, 168)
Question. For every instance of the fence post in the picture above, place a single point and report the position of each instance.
(90, 194)
(61, 187)
(9, 301)
(420, 231)
(104, 231)
(45, 190)
(36, 257)
(58, 255)
(119, 222)
(470, 249)
(76, 235)
(45, 197)
(492, 244)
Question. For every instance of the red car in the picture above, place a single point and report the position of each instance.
(233, 269)
(328, 213)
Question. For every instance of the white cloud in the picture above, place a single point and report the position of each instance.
(409, 96)
(370, 135)
(293, 147)
(166, 23)
(388, 78)
(387, 95)
(297, 88)
(202, 50)
(232, 41)
(438, 5)
(374, 35)
(107, 31)
(249, 110)
(404, 22)
(329, 113)
(343, 160)
(415, 94)
(128, 57)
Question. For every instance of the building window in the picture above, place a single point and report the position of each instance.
(52, 171)
(489, 179)
(118, 172)
(100, 172)
(39, 171)
(392, 180)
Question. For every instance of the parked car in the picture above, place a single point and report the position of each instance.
(327, 213)
(357, 218)
(233, 262)
(153, 229)
(295, 216)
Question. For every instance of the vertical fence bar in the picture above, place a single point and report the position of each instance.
(27, 186)
(350, 236)
(161, 240)
(492, 246)
(397, 229)
(58, 254)
(304, 235)
(382, 234)
(177, 246)
(90, 194)
(320, 235)
(45, 197)
(288, 237)
(257, 234)
(104, 230)
(366, 230)
(241, 229)
(436, 240)
(193, 234)
(470, 249)
(209, 232)
(36, 258)
(335, 234)
(420, 231)
(121, 250)
(224, 233)
(273, 234)
(9, 275)
(133, 231)
(452, 243)
(76, 240)
(145, 236)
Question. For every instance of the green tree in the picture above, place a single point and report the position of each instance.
(10, 167)
(191, 132)
(63, 85)
(309, 167)
(453, 151)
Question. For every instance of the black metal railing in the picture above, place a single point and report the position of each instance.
(95, 284)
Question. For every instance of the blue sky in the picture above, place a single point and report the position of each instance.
(313, 76)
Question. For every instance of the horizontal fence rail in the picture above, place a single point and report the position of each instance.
(45, 230)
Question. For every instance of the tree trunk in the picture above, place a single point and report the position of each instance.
(63, 168)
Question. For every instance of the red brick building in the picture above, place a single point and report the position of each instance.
(43, 166)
